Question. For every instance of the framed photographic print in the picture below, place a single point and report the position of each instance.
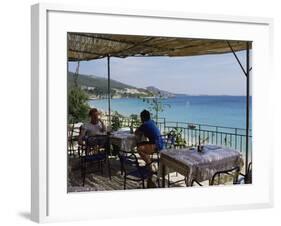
(144, 112)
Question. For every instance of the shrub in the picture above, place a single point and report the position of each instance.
(78, 106)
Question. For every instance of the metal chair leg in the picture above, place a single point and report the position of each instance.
(101, 168)
(158, 182)
(84, 180)
(78, 150)
(84, 176)
(109, 168)
(124, 182)
(168, 180)
(83, 172)
(236, 177)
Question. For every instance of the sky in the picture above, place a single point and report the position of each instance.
(195, 75)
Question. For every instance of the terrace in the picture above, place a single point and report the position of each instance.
(194, 154)
(186, 135)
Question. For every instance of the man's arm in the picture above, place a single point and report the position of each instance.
(103, 128)
(139, 130)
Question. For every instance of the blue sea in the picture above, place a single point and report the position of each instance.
(229, 111)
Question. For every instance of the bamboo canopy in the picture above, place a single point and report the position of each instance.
(86, 46)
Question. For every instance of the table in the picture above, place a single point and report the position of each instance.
(125, 140)
(199, 166)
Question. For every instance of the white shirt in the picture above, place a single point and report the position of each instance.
(92, 129)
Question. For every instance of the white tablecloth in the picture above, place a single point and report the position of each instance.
(200, 166)
(126, 141)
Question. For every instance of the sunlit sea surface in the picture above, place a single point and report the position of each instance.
(227, 111)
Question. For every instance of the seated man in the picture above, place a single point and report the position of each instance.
(92, 128)
(152, 133)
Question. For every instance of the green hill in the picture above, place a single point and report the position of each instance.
(95, 81)
(96, 86)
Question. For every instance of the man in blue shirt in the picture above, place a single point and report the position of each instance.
(149, 130)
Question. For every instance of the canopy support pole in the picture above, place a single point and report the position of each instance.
(108, 90)
(247, 74)
(236, 57)
(248, 69)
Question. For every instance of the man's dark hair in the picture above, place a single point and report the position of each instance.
(145, 115)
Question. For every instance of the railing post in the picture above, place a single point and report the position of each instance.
(235, 138)
(216, 135)
(199, 131)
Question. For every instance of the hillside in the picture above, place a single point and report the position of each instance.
(156, 91)
(96, 87)
(95, 81)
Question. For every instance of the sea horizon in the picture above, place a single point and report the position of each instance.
(218, 110)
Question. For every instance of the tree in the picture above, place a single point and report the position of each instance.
(78, 106)
(116, 121)
(156, 105)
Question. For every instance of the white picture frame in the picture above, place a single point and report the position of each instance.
(50, 201)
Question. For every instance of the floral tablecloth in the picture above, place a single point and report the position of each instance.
(200, 165)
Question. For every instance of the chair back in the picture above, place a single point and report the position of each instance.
(248, 176)
(73, 130)
(96, 144)
(233, 173)
(169, 139)
(128, 160)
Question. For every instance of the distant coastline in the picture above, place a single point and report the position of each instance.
(176, 95)
(96, 88)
